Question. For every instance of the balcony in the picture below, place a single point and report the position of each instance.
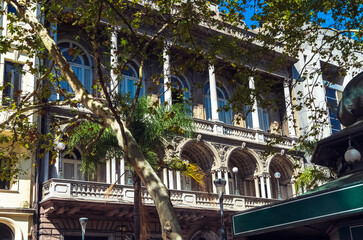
(242, 134)
(83, 191)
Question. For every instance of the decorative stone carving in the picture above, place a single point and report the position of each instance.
(222, 150)
(199, 137)
(243, 146)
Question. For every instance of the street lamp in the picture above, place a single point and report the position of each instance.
(83, 221)
(277, 176)
(235, 171)
(352, 155)
(220, 184)
(60, 147)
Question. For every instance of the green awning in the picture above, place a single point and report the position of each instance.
(342, 197)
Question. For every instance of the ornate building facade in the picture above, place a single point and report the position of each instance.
(222, 148)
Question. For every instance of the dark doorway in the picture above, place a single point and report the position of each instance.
(5, 232)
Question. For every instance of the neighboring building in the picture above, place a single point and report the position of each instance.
(332, 211)
(220, 146)
(16, 195)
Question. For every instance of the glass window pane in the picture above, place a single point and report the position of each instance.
(330, 93)
(68, 171)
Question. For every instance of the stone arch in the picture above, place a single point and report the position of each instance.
(205, 156)
(204, 235)
(284, 165)
(18, 235)
(248, 165)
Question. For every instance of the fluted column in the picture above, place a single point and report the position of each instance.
(255, 120)
(166, 72)
(288, 105)
(213, 93)
(257, 188)
(262, 184)
(268, 186)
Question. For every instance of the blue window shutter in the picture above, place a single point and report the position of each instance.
(249, 122)
(221, 114)
(188, 105)
(266, 121)
(208, 109)
(263, 119)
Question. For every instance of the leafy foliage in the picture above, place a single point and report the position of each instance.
(310, 178)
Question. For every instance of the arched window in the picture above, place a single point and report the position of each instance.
(129, 81)
(5, 232)
(222, 98)
(180, 91)
(71, 165)
(80, 63)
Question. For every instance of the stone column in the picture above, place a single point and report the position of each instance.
(113, 170)
(257, 188)
(219, 174)
(108, 171)
(227, 181)
(213, 93)
(268, 185)
(289, 114)
(122, 171)
(165, 177)
(262, 183)
(171, 179)
(213, 178)
(178, 180)
(113, 60)
(166, 72)
(255, 120)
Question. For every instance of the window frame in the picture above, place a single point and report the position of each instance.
(15, 75)
(208, 104)
(125, 81)
(87, 81)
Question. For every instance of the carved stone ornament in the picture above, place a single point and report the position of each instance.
(222, 150)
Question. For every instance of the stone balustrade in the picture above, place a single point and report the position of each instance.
(95, 191)
(242, 134)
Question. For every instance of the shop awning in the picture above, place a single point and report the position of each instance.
(340, 198)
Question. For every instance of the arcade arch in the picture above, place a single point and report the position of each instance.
(248, 166)
(283, 165)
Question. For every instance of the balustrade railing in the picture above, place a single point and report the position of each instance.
(240, 133)
(96, 191)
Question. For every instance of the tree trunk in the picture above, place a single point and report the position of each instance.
(137, 202)
(168, 220)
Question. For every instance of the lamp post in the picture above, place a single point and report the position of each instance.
(277, 176)
(352, 155)
(60, 147)
(235, 171)
(83, 221)
(220, 184)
